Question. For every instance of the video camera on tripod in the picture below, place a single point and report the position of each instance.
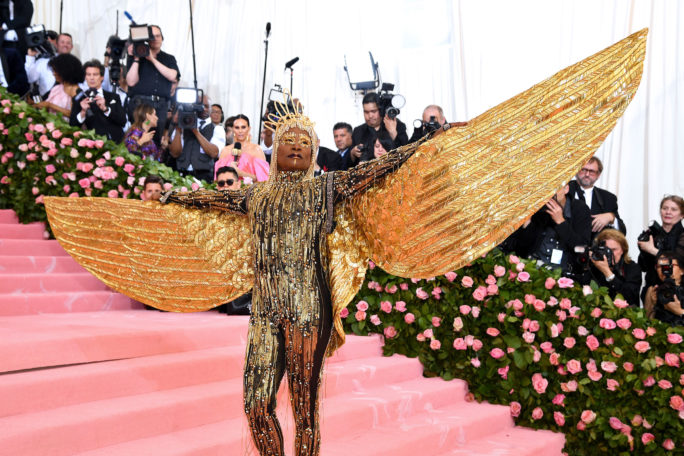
(116, 51)
(189, 104)
(37, 38)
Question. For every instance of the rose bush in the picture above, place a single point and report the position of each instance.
(41, 155)
(562, 356)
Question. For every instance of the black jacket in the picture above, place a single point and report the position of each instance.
(329, 160)
(363, 134)
(627, 281)
(110, 126)
(672, 241)
(602, 201)
(13, 67)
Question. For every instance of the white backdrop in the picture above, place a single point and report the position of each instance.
(466, 56)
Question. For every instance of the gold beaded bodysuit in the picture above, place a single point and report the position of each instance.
(305, 242)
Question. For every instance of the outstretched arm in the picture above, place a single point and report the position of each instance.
(227, 200)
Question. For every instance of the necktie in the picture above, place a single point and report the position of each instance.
(580, 195)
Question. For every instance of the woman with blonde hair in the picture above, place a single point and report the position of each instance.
(612, 267)
(138, 139)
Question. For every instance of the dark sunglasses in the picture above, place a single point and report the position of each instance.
(223, 183)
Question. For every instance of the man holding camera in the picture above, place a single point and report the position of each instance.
(363, 136)
(433, 118)
(97, 109)
(37, 59)
(150, 77)
(611, 266)
(196, 149)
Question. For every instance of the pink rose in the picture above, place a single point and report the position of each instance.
(129, 168)
(573, 366)
(608, 366)
(86, 167)
(503, 371)
(497, 353)
(386, 306)
(534, 326)
(520, 267)
(647, 438)
(515, 409)
(475, 362)
(464, 309)
(66, 141)
(650, 381)
(475, 311)
(592, 342)
(607, 323)
(539, 305)
(587, 416)
(467, 282)
(84, 183)
(564, 282)
(119, 161)
(586, 290)
(428, 333)
(528, 337)
(615, 423)
(436, 321)
(435, 344)
(558, 399)
(422, 294)
(547, 347)
(537, 413)
(620, 303)
(477, 344)
(612, 385)
(458, 324)
(492, 332)
(596, 312)
(390, 332)
(624, 323)
(569, 342)
(594, 375)
(403, 286)
(559, 418)
(451, 276)
(362, 306)
(400, 306)
(344, 313)
(530, 298)
(391, 289)
(492, 289)
(642, 346)
(56, 134)
(671, 359)
(553, 359)
(409, 318)
(549, 283)
(668, 444)
(569, 387)
(499, 271)
(674, 338)
(98, 143)
(513, 259)
(501, 317)
(112, 194)
(375, 320)
(556, 329)
(524, 276)
(664, 384)
(460, 344)
(360, 315)
(539, 383)
(629, 367)
(480, 293)
(50, 169)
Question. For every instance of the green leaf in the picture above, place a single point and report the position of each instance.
(512, 341)
(519, 360)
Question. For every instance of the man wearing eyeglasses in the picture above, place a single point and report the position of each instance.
(602, 203)
(227, 179)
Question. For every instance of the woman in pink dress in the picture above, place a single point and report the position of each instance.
(251, 161)
(69, 74)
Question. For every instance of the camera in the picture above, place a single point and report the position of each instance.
(37, 38)
(389, 103)
(597, 252)
(117, 51)
(90, 94)
(140, 37)
(189, 103)
(429, 126)
(657, 232)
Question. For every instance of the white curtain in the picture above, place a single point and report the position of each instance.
(466, 56)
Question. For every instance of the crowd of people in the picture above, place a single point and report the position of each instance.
(579, 230)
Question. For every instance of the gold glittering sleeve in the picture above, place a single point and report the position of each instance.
(463, 192)
(166, 256)
(226, 200)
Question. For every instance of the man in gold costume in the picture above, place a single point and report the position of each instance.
(292, 317)
(302, 243)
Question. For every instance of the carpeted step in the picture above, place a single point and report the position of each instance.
(57, 282)
(38, 264)
(516, 441)
(65, 302)
(30, 247)
(8, 216)
(35, 341)
(19, 231)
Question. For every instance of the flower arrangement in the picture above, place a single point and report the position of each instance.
(564, 357)
(41, 155)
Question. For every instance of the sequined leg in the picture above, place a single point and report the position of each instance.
(264, 368)
(305, 352)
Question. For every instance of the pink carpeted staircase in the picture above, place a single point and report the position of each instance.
(86, 371)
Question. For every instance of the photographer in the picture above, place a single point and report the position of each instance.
(433, 118)
(667, 297)
(150, 78)
(97, 109)
(363, 136)
(667, 236)
(611, 266)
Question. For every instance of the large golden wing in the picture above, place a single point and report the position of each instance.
(162, 255)
(466, 190)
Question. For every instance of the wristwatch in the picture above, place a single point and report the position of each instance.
(610, 278)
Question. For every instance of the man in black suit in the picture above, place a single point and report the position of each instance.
(342, 133)
(12, 72)
(363, 136)
(97, 109)
(602, 204)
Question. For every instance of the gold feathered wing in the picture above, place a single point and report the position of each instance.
(466, 190)
(165, 256)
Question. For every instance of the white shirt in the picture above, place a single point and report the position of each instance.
(38, 71)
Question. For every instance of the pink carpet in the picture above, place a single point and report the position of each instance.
(86, 371)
